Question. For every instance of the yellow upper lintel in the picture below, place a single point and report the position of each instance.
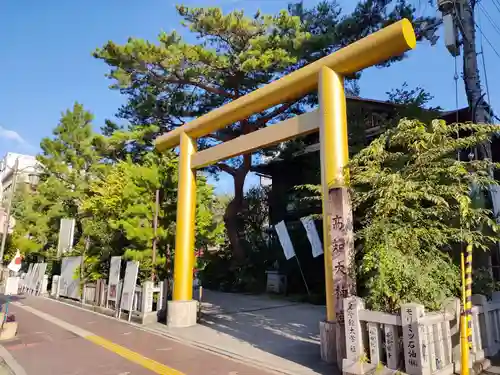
(378, 47)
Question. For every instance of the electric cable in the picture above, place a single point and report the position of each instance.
(483, 60)
(488, 41)
(492, 21)
(496, 3)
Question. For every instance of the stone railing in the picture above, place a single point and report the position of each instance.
(416, 342)
(149, 299)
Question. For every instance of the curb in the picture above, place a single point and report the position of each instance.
(13, 366)
(191, 343)
(221, 352)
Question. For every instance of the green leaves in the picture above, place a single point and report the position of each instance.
(107, 183)
(413, 199)
(70, 162)
(413, 209)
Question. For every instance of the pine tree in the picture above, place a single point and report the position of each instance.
(172, 81)
(69, 161)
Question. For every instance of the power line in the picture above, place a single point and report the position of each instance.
(493, 23)
(484, 62)
(488, 41)
(496, 3)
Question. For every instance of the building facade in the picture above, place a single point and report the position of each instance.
(27, 172)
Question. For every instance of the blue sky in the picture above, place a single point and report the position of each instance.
(46, 63)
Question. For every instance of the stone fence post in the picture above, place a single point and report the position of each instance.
(491, 347)
(159, 304)
(354, 363)
(100, 292)
(56, 284)
(163, 300)
(45, 284)
(415, 340)
(147, 297)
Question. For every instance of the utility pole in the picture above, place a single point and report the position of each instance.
(9, 207)
(458, 19)
(470, 71)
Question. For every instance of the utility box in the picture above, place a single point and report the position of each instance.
(276, 282)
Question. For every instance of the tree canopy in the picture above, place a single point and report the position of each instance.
(86, 176)
(411, 196)
(413, 209)
(169, 82)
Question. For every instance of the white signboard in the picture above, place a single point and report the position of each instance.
(114, 278)
(69, 282)
(26, 280)
(66, 234)
(285, 240)
(33, 277)
(38, 279)
(312, 235)
(129, 282)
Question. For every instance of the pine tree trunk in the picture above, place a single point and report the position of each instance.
(231, 219)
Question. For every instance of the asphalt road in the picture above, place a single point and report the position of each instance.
(57, 339)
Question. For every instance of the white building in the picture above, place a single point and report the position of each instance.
(28, 169)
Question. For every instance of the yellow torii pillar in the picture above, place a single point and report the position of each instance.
(326, 76)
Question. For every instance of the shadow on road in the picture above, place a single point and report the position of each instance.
(284, 329)
(4, 298)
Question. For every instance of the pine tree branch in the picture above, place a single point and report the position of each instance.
(183, 81)
(226, 168)
(269, 116)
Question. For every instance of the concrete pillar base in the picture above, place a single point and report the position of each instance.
(332, 342)
(182, 314)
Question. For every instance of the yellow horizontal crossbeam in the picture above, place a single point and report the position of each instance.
(271, 135)
(371, 50)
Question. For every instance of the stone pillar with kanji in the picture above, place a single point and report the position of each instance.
(342, 252)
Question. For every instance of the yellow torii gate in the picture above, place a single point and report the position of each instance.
(325, 75)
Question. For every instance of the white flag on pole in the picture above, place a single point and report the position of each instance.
(285, 240)
(312, 235)
(15, 263)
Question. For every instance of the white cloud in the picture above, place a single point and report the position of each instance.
(12, 135)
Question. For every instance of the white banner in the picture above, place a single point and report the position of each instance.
(312, 235)
(285, 240)
(129, 282)
(114, 278)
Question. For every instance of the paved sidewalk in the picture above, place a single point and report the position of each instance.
(58, 339)
(43, 348)
(272, 333)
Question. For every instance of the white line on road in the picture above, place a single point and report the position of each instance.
(58, 322)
